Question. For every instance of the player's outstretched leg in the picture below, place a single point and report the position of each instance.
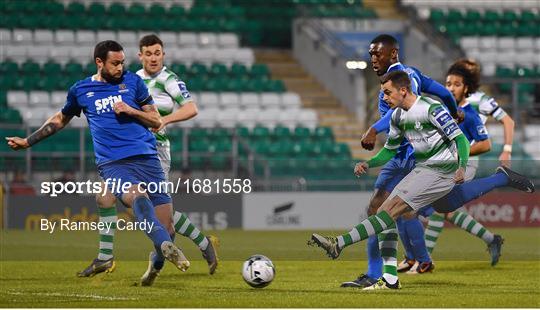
(207, 245)
(468, 191)
(105, 260)
(371, 226)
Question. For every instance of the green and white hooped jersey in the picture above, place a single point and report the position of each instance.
(429, 128)
(486, 106)
(166, 89)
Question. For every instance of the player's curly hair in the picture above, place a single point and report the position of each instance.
(470, 79)
(475, 70)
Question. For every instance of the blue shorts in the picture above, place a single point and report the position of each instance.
(136, 169)
(393, 172)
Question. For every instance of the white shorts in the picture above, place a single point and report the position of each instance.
(164, 155)
(422, 186)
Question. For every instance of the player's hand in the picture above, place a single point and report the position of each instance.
(369, 138)
(17, 143)
(505, 159)
(122, 107)
(459, 117)
(163, 124)
(460, 176)
(360, 168)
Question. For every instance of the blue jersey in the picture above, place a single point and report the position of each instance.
(472, 126)
(115, 136)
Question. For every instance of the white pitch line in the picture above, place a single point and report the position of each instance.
(72, 295)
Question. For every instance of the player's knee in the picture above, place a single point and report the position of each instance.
(376, 201)
(395, 207)
(408, 215)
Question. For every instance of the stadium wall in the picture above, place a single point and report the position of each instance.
(269, 211)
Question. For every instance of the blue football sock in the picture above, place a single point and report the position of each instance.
(375, 263)
(468, 191)
(405, 240)
(144, 211)
(415, 233)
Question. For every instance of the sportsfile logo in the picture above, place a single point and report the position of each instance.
(106, 104)
(281, 216)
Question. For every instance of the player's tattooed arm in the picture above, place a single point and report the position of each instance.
(50, 127)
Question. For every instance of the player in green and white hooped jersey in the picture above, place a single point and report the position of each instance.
(441, 151)
(485, 106)
(167, 91)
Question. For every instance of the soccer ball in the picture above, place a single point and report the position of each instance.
(258, 271)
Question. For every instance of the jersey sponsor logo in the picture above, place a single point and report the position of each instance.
(444, 118)
(183, 90)
(481, 130)
(437, 110)
(122, 88)
(90, 94)
(451, 129)
(106, 104)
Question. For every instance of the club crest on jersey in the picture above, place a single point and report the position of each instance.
(481, 130)
(418, 125)
(106, 104)
(122, 88)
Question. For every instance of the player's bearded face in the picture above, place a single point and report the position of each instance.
(151, 58)
(455, 85)
(113, 67)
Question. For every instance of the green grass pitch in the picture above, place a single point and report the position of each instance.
(37, 269)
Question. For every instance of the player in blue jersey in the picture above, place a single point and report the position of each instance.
(384, 51)
(120, 112)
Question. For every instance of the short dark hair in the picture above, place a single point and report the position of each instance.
(398, 78)
(104, 47)
(149, 40)
(470, 79)
(474, 70)
(387, 40)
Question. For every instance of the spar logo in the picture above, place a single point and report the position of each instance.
(282, 216)
(106, 104)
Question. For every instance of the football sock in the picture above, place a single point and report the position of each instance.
(183, 226)
(433, 230)
(144, 210)
(468, 223)
(371, 226)
(468, 191)
(415, 233)
(106, 235)
(375, 262)
(405, 240)
(388, 244)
